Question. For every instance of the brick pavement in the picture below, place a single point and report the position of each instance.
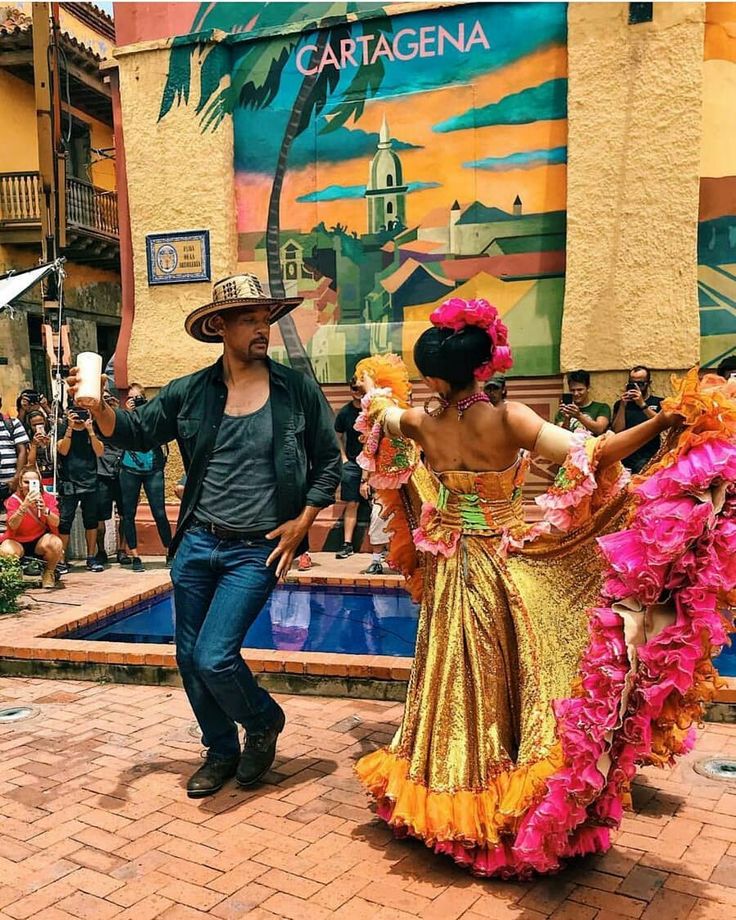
(95, 825)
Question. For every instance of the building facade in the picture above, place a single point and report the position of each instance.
(92, 284)
(574, 164)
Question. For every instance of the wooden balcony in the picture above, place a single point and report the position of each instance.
(91, 217)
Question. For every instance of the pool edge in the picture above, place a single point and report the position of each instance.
(31, 644)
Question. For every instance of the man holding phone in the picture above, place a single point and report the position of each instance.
(78, 448)
(637, 405)
(578, 411)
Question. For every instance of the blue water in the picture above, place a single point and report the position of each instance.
(358, 621)
(726, 661)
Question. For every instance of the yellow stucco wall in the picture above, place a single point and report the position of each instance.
(19, 148)
(178, 179)
(634, 109)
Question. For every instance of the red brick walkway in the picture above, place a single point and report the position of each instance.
(95, 824)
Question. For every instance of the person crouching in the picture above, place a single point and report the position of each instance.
(33, 525)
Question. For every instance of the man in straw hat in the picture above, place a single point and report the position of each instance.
(262, 459)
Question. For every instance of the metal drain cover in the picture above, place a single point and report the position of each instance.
(723, 768)
(17, 714)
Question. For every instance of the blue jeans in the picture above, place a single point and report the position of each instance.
(130, 494)
(220, 587)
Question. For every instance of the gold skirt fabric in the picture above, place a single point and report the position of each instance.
(499, 639)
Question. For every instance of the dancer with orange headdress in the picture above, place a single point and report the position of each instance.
(554, 657)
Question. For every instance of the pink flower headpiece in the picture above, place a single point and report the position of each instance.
(458, 313)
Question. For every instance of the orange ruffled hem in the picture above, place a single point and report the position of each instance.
(471, 818)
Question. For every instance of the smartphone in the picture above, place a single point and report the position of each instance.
(34, 487)
(567, 399)
(39, 429)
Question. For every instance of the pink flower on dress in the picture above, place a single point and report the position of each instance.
(432, 537)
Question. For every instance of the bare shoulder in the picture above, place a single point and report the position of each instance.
(411, 421)
(522, 423)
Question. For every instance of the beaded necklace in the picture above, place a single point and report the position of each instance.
(462, 405)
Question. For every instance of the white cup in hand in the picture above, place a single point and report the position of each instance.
(89, 379)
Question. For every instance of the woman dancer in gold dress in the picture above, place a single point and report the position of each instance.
(552, 657)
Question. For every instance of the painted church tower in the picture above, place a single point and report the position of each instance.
(386, 192)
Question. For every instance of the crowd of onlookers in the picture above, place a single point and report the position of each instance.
(104, 483)
(42, 497)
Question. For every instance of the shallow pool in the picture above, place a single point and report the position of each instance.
(726, 661)
(359, 621)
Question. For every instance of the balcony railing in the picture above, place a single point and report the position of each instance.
(88, 208)
(91, 208)
(19, 200)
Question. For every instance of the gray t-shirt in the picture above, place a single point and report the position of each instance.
(239, 488)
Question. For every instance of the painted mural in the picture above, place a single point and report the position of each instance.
(717, 229)
(385, 162)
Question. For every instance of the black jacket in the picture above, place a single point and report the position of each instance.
(190, 409)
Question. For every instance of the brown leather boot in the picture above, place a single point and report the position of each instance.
(211, 776)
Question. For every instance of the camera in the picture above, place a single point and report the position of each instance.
(139, 401)
(635, 385)
(33, 398)
(567, 399)
(81, 414)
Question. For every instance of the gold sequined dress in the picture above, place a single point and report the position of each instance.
(526, 711)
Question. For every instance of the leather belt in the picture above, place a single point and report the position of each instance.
(225, 533)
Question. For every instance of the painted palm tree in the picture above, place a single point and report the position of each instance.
(255, 81)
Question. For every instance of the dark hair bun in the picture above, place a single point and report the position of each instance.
(452, 356)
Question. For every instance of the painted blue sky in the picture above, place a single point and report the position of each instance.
(342, 192)
(513, 31)
(527, 159)
(545, 102)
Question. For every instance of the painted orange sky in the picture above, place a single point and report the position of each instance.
(440, 159)
(720, 32)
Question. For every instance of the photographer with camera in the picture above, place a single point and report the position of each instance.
(636, 406)
(142, 469)
(29, 401)
(40, 455)
(578, 411)
(78, 448)
(33, 526)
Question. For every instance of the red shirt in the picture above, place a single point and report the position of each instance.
(30, 528)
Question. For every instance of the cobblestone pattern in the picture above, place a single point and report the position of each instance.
(96, 824)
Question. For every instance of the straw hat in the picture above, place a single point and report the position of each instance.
(234, 293)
